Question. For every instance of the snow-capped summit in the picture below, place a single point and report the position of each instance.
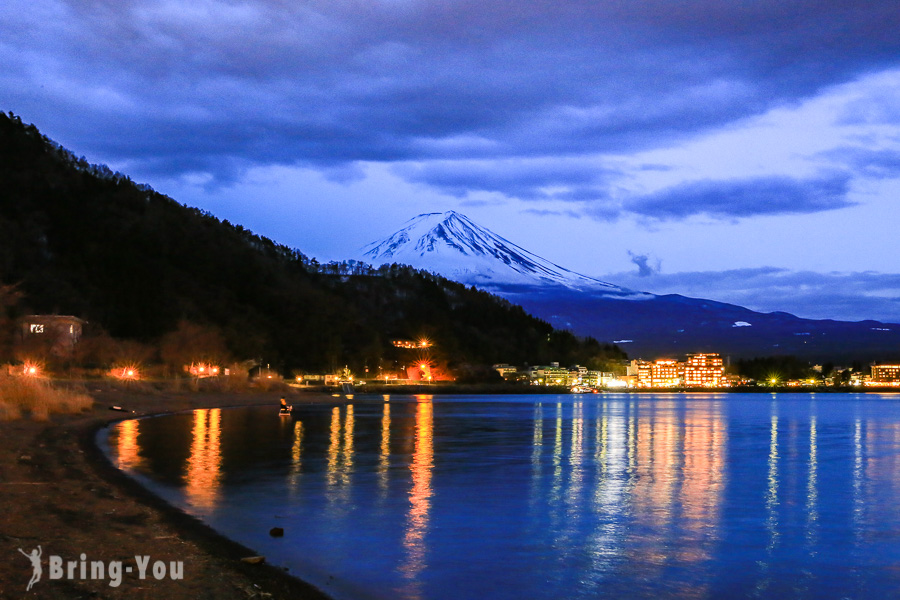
(452, 245)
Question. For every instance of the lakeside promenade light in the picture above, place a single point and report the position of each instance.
(31, 369)
(126, 373)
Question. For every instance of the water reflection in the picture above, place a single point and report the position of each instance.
(880, 476)
(623, 497)
(858, 475)
(812, 486)
(704, 480)
(296, 456)
(127, 447)
(203, 470)
(606, 539)
(419, 497)
(772, 489)
(641, 482)
(384, 459)
(537, 443)
(557, 453)
(340, 446)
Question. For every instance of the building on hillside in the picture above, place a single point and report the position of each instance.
(411, 344)
(704, 370)
(58, 333)
(596, 379)
(549, 375)
(505, 370)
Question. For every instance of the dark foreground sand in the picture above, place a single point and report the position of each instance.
(58, 491)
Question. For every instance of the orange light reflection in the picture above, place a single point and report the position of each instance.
(419, 496)
(205, 462)
(127, 447)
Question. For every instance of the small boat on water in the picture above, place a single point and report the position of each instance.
(285, 409)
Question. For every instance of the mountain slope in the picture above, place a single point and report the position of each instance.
(646, 325)
(85, 241)
(673, 325)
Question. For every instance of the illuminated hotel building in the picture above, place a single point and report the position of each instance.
(886, 374)
(641, 371)
(660, 373)
(664, 373)
(704, 370)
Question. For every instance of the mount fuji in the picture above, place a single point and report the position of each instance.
(645, 325)
(452, 245)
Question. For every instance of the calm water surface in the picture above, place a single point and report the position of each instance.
(637, 496)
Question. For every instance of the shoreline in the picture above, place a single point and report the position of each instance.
(374, 390)
(60, 491)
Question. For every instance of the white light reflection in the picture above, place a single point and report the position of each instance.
(576, 473)
(858, 475)
(556, 490)
(537, 441)
(812, 488)
(609, 498)
(772, 489)
(771, 504)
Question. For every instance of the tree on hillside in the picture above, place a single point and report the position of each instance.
(9, 299)
(779, 368)
(191, 344)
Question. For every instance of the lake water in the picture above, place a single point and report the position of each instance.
(531, 497)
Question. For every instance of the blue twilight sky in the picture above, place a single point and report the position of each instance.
(745, 151)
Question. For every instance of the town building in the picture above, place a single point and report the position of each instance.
(58, 333)
(704, 370)
(640, 373)
(411, 344)
(597, 379)
(549, 375)
(887, 374)
(664, 372)
(505, 370)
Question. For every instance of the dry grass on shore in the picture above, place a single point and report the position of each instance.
(38, 398)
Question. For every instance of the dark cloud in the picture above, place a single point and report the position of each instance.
(551, 213)
(730, 199)
(570, 180)
(645, 269)
(846, 296)
(880, 164)
(219, 86)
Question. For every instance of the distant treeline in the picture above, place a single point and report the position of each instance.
(138, 266)
(784, 368)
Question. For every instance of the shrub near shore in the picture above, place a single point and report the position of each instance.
(38, 398)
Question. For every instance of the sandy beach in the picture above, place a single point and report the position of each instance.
(58, 491)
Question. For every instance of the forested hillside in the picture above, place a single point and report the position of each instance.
(81, 240)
